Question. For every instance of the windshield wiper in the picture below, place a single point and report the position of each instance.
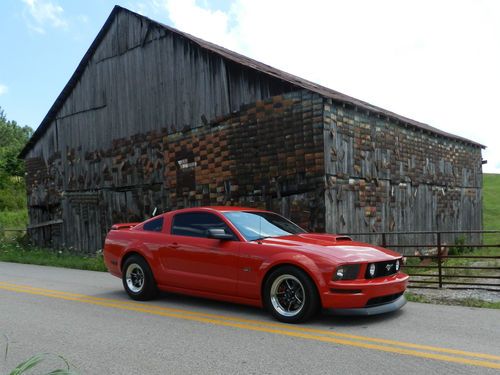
(264, 237)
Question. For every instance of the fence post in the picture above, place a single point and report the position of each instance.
(439, 256)
(384, 242)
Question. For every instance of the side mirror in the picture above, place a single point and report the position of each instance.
(219, 234)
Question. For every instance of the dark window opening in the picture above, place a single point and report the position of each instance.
(197, 224)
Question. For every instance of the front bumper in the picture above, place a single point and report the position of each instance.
(365, 295)
(373, 310)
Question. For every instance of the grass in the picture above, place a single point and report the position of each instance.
(491, 201)
(35, 360)
(17, 253)
(432, 270)
(17, 219)
(12, 194)
(32, 362)
(468, 302)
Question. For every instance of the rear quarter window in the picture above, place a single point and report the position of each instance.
(154, 225)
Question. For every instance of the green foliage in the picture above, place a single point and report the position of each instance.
(13, 218)
(12, 140)
(491, 201)
(491, 209)
(459, 247)
(27, 365)
(33, 361)
(12, 194)
(19, 251)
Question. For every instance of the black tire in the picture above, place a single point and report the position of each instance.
(290, 295)
(138, 279)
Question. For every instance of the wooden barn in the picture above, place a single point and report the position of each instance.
(154, 117)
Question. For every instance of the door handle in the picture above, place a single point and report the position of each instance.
(174, 245)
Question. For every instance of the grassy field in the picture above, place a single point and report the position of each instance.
(491, 212)
(491, 201)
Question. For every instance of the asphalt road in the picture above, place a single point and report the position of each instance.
(87, 318)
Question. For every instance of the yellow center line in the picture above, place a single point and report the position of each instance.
(261, 326)
(258, 322)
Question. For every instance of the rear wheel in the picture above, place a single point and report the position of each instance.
(290, 295)
(138, 279)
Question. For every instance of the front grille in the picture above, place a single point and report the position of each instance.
(383, 300)
(382, 269)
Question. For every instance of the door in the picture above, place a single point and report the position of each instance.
(194, 261)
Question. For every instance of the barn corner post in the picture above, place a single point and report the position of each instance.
(330, 154)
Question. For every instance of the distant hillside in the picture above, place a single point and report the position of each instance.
(491, 201)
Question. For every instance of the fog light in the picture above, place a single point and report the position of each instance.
(371, 270)
(397, 265)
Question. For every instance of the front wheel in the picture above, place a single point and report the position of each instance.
(138, 279)
(290, 295)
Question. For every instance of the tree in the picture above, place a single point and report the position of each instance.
(12, 140)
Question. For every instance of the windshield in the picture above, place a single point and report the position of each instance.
(257, 225)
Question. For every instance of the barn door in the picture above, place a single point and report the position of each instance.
(83, 222)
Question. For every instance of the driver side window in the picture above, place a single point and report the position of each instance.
(197, 224)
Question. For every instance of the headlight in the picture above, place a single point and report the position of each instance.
(371, 270)
(397, 265)
(346, 272)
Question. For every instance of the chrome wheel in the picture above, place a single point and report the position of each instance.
(134, 277)
(287, 295)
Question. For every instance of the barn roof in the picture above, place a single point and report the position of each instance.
(237, 58)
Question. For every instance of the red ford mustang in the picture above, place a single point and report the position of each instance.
(254, 257)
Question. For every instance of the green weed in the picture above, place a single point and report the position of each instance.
(20, 253)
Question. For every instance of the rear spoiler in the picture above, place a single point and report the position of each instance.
(123, 226)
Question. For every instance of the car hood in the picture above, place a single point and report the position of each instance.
(340, 248)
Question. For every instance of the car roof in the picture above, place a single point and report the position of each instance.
(215, 208)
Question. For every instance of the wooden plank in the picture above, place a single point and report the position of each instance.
(45, 224)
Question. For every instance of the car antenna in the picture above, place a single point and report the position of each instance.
(155, 210)
(260, 229)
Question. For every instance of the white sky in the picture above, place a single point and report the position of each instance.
(437, 62)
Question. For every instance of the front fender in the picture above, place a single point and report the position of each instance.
(298, 260)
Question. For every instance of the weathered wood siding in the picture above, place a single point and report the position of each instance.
(157, 121)
(141, 78)
(268, 155)
(385, 176)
